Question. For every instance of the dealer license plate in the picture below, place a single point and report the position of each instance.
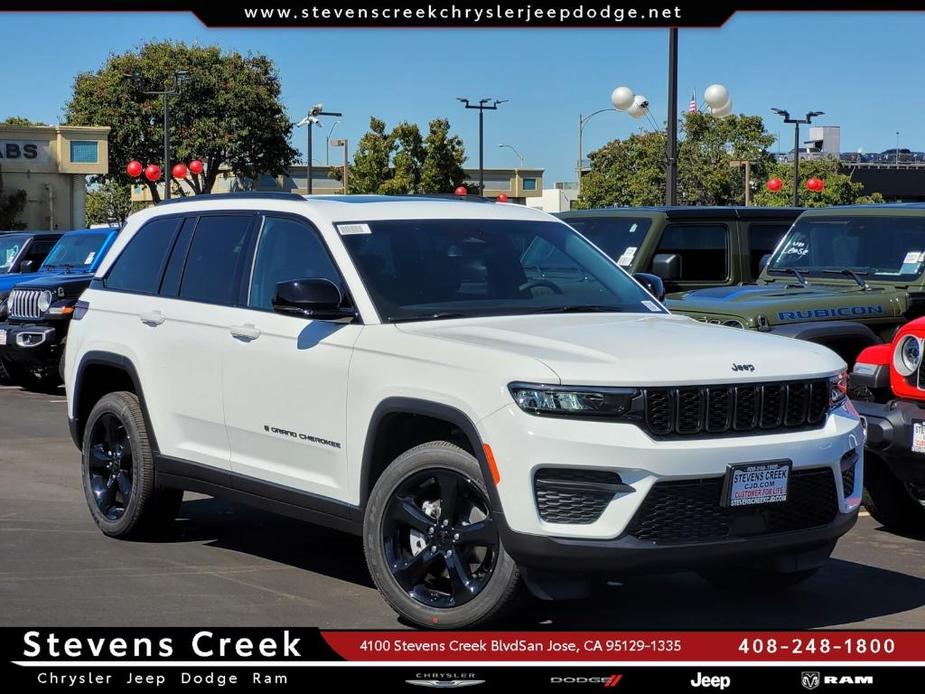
(918, 436)
(2, 337)
(752, 484)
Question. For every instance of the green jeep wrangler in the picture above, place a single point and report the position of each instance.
(845, 277)
(688, 247)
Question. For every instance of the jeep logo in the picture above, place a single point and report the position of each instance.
(743, 367)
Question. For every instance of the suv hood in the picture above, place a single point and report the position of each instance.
(72, 283)
(781, 303)
(636, 350)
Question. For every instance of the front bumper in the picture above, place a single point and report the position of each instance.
(890, 428)
(30, 345)
(522, 444)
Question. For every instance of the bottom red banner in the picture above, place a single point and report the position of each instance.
(642, 646)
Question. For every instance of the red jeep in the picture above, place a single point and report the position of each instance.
(888, 388)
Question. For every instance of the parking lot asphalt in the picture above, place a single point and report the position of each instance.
(228, 565)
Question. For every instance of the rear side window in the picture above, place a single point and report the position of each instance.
(704, 250)
(216, 254)
(762, 240)
(37, 251)
(138, 268)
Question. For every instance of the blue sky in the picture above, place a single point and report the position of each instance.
(864, 70)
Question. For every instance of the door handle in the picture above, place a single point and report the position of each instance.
(152, 318)
(246, 332)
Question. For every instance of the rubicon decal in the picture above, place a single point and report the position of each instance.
(839, 312)
(300, 436)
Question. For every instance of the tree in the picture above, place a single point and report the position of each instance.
(407, 161)
(402, 162)
(20, 120)
(228, 114)
(109, 202)
(633, 171)
(839, 188)
(11, 206)
(444, 155)
(370, 169)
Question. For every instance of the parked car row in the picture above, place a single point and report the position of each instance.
(484, 396)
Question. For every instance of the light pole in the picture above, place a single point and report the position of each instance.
(518, 154)
(582, 120)
(327, 144)
(482, 106)
(343, 143)
(671, 187)
(797, 122)
(179, 77)
(312, 119)
(897, 148)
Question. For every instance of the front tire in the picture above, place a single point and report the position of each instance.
(890, 501)
(431, 541)
(117, 467)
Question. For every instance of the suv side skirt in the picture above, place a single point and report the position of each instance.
(286, 501)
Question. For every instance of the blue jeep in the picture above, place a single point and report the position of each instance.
(34, 317)
(21, 254)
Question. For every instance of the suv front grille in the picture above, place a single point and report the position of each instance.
(742, 409)
(578, 497)
(24, 304)
(681, 511)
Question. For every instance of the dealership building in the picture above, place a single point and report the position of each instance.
(51, 163)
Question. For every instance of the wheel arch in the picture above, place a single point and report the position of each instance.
(99, 373)
(374, 450)
(832, 333)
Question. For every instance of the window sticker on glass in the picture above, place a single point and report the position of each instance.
(651, 305)
(796, 248)
(90, 256)
(10, 255)
(911, 263)
(350, 229)
(627, 257)
(633, 228)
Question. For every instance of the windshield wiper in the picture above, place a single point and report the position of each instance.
(426, 316)
(581, 308)
(801, 278)
(856, 276)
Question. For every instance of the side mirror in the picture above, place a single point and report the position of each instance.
(653, 283)
(667, 266)
(27, 266)
(315, 297)
(763, 263)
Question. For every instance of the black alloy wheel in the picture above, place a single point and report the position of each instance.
(439, 538)
(110, 466)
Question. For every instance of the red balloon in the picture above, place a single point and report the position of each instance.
(820, 185)
(179, 171)
(775, 184)
(814, 184)
(461, 190)
(134, 168)
(152, 172)
(502, 197)
(196, 167)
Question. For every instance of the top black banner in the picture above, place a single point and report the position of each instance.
(461, 13)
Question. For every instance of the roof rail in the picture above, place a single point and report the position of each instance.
(244, 195)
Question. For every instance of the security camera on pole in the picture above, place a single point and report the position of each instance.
(311, 119)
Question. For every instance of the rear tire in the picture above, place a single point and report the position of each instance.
(431, 541)
(890, 501)
(117, 468)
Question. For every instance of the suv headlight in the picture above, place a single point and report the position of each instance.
(45, 299)
(572, 401)
(838, 389)
(907, 356)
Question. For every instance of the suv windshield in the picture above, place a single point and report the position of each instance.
(618, 237)
(432, 269)
(9, 249)
(74, 252)
(881, 247)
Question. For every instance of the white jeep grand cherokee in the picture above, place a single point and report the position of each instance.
(475, 388)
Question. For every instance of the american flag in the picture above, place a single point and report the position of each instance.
(692, 106)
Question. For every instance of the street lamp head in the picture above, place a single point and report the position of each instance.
(501, 101)
(813, 114)
(781, 112)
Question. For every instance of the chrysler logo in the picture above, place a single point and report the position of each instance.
(445, 684)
